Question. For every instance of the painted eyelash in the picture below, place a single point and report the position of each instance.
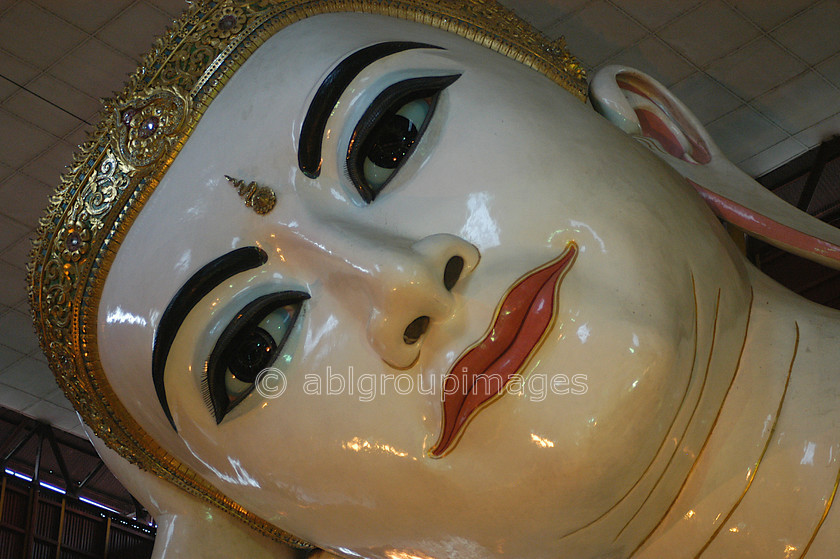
(204, 387)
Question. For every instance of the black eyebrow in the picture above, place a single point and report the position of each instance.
(200, 284)
(315, 122)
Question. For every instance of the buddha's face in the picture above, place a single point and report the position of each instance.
(367, 285)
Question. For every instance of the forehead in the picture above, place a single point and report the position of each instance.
(252, 129)
(257, 118)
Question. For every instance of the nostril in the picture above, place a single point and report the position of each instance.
(416, 329)
(452, 272)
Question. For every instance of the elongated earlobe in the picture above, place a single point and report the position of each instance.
(643, 108)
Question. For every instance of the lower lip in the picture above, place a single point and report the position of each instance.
(522, 321)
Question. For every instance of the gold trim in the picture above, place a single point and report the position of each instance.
(827, 504)
(144, 127)
(823, 517)
(711, 429)
(670, 429)
(763, 452)
(687, 427)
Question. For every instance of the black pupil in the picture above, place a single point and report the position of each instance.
(251, 354)
(390, 140)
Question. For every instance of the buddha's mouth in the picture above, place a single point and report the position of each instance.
(520, 325)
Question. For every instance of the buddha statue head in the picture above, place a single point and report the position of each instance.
(374, 277)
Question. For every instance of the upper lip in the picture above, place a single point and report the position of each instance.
(522, 319)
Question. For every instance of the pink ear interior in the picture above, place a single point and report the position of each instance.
(653, 127)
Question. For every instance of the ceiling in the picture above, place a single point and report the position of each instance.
(762, 75)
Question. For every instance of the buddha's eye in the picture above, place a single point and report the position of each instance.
(389, 130)
(250, 343)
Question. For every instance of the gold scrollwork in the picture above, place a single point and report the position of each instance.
(108, 183)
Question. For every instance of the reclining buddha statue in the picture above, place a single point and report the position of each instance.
(389, 279)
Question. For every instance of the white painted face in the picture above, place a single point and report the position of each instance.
(511, 168)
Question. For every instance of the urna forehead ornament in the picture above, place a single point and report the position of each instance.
(142, 130)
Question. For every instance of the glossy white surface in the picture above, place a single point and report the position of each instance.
(187, 527)
(679, 343)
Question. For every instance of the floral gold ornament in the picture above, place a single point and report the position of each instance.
(74, 242)
(144, 128)
(230, 21)
(259, 198)
(146, 124)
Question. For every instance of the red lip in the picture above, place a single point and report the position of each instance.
(521, 323)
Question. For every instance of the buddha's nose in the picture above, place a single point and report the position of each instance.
(416, 293)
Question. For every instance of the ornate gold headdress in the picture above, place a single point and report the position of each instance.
(141, 132)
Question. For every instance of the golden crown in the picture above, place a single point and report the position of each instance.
(142, 130)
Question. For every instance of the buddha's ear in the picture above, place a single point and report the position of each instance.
(646, 110)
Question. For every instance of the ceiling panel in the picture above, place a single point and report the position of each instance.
(708, 32)
(14, 72)
(784, 150)
(22, 139)
(745, 131)
(707, 97)
(653, 56)
(800, 102)
(24, 199)
(812, 34)
(654, 15)
(812, 137)
(768, 14)
(756, 68)
(95, 68)
(36, 36)
(88, 15)
(599, 30)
